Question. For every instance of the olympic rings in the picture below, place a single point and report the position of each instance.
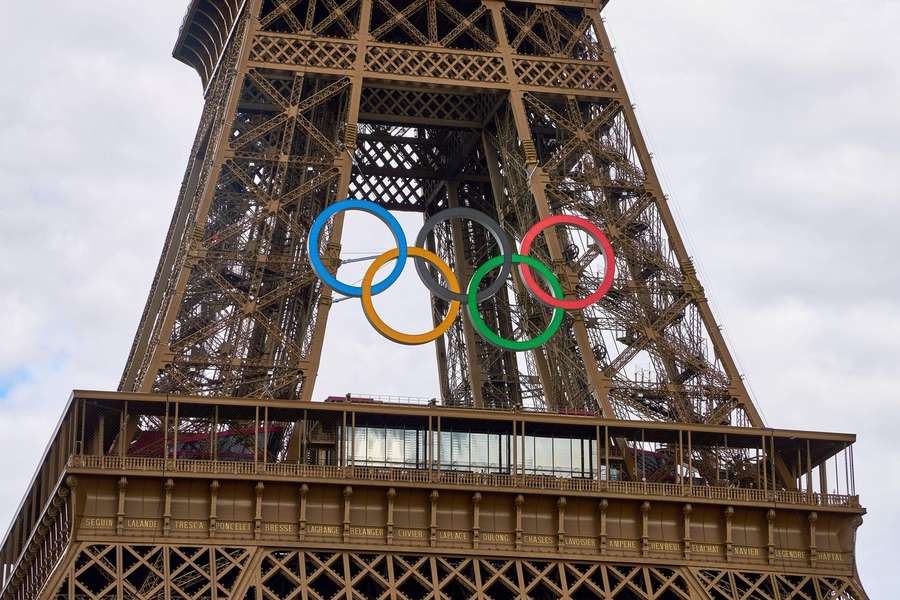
(315, 233)
(452, 292)
(387, 331)
(503, 241)
(495, 339)
(598, 236)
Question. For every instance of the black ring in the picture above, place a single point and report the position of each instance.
(506, 247)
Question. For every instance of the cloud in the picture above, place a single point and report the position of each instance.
(774, 125)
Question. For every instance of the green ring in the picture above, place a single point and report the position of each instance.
(495, 339)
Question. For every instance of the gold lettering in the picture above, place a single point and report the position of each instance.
(325, 529)
(581, 541)
(417, 534)
(97, 523)
(745, 551)
(142, 523)
(623, 544)
(278, 528)
(541, 540)
(665, 546)
(705, 548)
(189, 525)
(367, 531)
(831, 556)
(457, 536)
(496, 538)
(235, 526)
(791, 554)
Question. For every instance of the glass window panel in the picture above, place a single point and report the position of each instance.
(528, 443)
(375, 446)
(394, 442)
(460, 449)
(445, 455)
(562, 456)
(479, 451)
(493, 450)
(578, 447)
(543, 455)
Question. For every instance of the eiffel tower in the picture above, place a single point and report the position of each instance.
(622, 460)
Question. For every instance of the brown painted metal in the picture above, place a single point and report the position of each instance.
(517, 109)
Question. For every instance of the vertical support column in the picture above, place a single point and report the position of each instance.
(519, 502)
(258, 503)
(729, 539)
(813, 517)
(432, 538)
(167, 506)
(464, 270)
(301, 518)
(348, 494)
(213, 506)
(604, 504)
(645, 528)
(809, 474)
(120, 511)
(561, 524)
(175, 431)
(476, 519)
(770, 522)
(686, 534)
(344, 165)
(389, 525)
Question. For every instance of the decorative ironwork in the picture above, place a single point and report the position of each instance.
(516, 109)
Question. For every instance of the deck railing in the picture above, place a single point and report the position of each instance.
(493, 480)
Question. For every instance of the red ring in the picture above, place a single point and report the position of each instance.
(595, 233)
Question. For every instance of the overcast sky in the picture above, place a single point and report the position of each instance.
(775, 126)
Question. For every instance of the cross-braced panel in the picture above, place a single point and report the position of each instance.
(742, 585)
(250, 301)
(331, 18)
(152, 572)
(457, 24)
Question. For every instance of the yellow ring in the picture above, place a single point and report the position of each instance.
(391, 333)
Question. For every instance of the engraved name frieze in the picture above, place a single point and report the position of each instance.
(539, 540)
(791, 554)
(747, 551)
(97, 523)
(142, 523)
(622, 544)
(279, 528)
(324, 530)
(236, 526)
(183, 525)
(413, 534)
(367, 531)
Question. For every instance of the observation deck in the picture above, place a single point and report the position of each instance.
(366, 474)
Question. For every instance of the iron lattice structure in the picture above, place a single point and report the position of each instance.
(211, 474)
(515, 108)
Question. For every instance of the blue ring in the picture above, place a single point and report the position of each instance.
(382, 214)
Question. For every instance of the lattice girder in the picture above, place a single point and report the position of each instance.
(290, 574)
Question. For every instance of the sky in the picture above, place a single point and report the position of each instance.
(774, 126)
